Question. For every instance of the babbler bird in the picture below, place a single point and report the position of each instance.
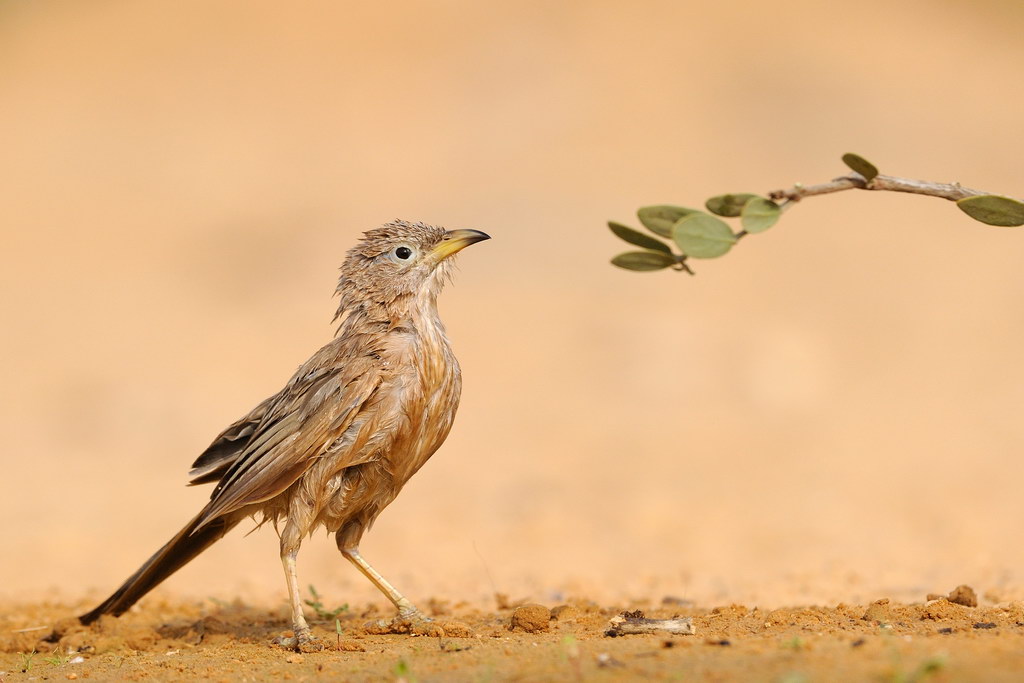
(356, 421)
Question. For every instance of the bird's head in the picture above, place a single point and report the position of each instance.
(399, 264)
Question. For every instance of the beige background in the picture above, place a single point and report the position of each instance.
(829, 413)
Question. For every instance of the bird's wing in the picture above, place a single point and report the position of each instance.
(299, 425)
(228, 446)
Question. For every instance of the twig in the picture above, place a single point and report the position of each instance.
(855, 181)
(681, 265)
(633, 623)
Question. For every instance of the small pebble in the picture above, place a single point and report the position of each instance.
(455, 645)
(605, 660)
(674, 601)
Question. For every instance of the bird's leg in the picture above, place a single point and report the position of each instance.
(410, 619)
(302, 639)
(406, 609)
(299, 624)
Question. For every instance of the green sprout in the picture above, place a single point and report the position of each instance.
(318, 606)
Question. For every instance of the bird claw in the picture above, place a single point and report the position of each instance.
(412, 622)
(302, 641)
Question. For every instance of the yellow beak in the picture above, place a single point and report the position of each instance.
(456, 240)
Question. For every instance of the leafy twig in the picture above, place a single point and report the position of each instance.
(698, 234)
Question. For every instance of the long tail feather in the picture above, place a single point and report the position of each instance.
(178, 552)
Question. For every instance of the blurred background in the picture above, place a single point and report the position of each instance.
(829, 413)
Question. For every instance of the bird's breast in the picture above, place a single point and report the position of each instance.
(427, 396)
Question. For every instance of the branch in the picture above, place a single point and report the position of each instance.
(634, 623)
(855, 181)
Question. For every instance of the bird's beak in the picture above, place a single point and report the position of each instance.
(456, 240)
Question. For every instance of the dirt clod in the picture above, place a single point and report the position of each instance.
(961, 595)
(456, 629)
(565, 613)
(439, 608)
(964, 595)
(878, 611)
(531, 618)
(503, 601)
(401, 626)
(940, 609)
(731, 611)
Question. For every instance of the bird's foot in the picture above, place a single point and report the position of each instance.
(302, 641)
(409, 621)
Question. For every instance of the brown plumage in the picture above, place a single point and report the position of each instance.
(335, 446)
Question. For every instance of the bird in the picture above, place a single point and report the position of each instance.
(336, 445)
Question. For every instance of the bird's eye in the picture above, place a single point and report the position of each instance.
(403, 253)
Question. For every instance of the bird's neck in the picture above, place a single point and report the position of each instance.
(357, 310)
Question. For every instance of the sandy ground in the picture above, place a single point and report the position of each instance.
(928, 641)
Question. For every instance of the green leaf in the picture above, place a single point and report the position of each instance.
(660, 219)
(993, 209)
(702, 236)
(759, 214)
(638, 238)
(860, 165)
(643, 260)
(728, 205)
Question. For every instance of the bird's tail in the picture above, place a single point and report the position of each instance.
(178, 552)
